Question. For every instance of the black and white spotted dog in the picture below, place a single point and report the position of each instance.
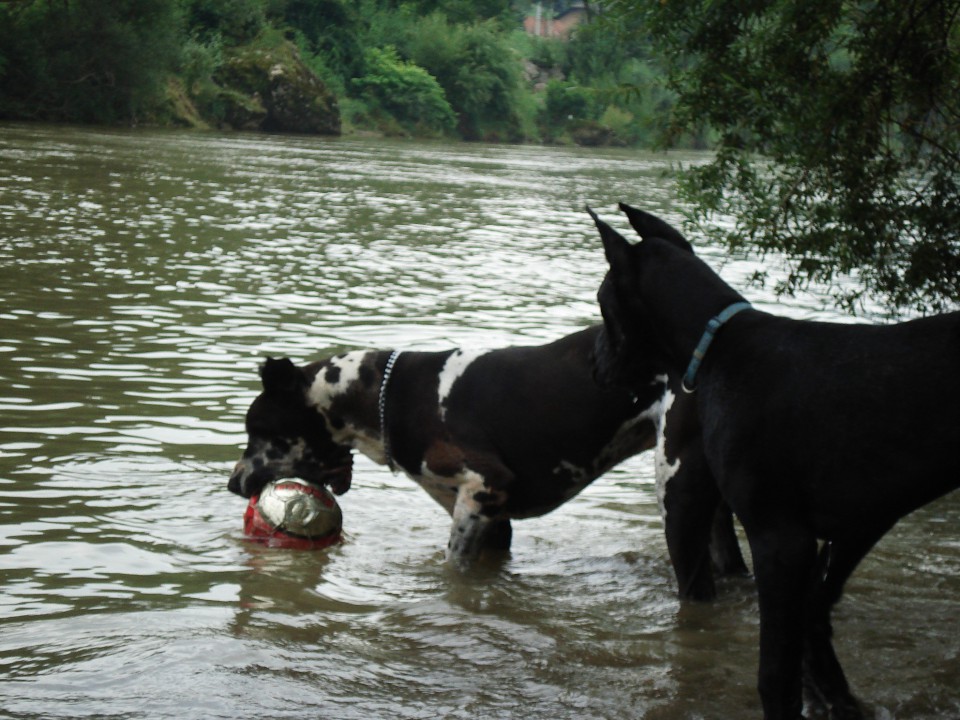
(492, 436)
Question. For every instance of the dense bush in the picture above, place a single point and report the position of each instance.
(331, 35)
(479, 72)
(406, 92)
(565, 104)
(86, 60)
(238, 21)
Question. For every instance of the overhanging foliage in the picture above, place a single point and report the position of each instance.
(839, 134)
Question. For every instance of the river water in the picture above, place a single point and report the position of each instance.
(143, 277)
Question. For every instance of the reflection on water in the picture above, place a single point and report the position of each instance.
(145, 274)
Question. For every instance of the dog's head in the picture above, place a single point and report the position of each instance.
(287, 437)
(629, 348)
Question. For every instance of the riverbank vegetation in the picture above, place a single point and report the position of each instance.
(456, 68)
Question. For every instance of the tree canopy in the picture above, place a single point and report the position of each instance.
(837, 133)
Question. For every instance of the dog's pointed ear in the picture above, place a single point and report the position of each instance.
(281, 376)
(615, 246)
(648, 225)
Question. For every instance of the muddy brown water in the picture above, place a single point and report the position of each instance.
(143, 276)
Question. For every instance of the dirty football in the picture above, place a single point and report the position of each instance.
(294, 513)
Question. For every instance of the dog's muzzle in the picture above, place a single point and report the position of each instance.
(338, 478)
(239, 482)
(246, 482)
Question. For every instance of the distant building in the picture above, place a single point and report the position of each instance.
(545, 22)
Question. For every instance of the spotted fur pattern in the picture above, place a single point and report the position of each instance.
(491, 436)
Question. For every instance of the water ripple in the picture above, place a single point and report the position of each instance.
(146, 275)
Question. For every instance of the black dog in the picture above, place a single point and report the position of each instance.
(491, 436)
(813, 432)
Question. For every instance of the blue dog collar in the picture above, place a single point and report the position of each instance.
(713, 326)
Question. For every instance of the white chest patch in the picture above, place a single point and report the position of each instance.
(663, 468)
(455, 366)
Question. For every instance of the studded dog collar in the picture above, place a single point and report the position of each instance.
(382, 407)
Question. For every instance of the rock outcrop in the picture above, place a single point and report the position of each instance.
(273, 90)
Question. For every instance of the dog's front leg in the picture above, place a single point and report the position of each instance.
(474, 522)
(689, 504)
(466, 538)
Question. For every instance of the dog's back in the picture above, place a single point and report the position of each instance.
(876, 409)
(538, 410)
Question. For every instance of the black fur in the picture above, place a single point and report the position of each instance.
(819, 436)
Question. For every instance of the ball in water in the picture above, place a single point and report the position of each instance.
(294, 513)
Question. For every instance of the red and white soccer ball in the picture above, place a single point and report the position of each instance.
(292, 513)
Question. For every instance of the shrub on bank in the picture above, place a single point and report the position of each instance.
(405, 93)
